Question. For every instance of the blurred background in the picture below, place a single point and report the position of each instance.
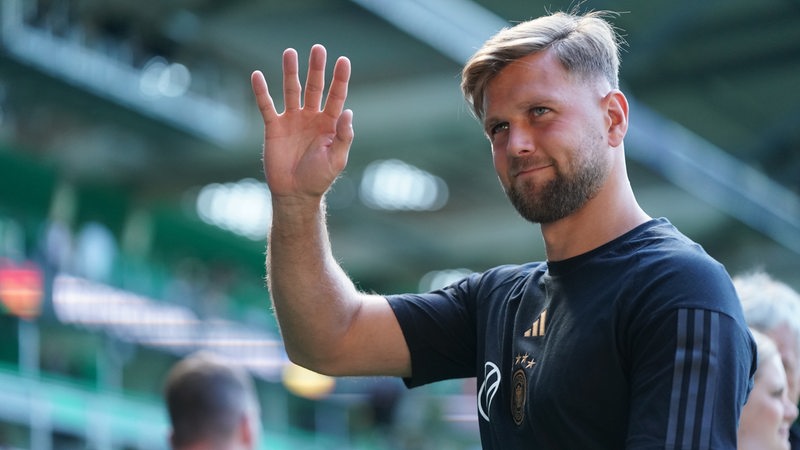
(133, 209)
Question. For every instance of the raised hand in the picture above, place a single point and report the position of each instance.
(306, 146)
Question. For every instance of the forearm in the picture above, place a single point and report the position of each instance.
(327, 325)
(314, 300)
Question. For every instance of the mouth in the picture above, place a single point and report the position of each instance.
(528, 170)
(524, 165)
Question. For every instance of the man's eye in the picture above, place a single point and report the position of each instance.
(539, 110)
(498, 128)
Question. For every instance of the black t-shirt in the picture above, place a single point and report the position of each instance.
(640, 343)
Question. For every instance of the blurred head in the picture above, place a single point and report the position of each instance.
(773, 308)
(768, 413)
(211, 404)
(586, 45)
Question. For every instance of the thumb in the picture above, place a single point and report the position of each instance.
(343, 139)
(344, 128)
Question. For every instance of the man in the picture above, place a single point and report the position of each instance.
(773, 308)
(628, 336)
(212, 405)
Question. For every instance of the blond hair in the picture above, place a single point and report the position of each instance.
(586, 44)
(765, 349)
(768, 303)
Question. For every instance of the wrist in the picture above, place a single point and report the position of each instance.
(296, 210)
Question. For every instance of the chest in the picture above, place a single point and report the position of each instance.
(546, 354)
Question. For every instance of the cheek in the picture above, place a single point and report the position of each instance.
(772, 413)
(762, 414)
(500, 162)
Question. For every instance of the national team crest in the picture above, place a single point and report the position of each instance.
(519, 393)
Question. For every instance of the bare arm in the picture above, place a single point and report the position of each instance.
(327, 325)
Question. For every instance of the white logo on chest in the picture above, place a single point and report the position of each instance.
(489, 388)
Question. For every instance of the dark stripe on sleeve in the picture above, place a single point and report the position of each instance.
(711, 383)
(694, 353)
(694, 380)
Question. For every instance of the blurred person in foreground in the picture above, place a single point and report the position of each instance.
(212, 404)
(773, 308)
(768, 413)
(629, 336)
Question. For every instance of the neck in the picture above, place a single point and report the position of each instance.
(610, 214)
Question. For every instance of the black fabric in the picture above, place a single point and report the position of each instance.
(794, 436)
(640, 343)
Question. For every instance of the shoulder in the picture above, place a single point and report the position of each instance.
(504, 280)
(475, 289)
(509, 273)
(659, 239)
(678, 272)
(663, 251)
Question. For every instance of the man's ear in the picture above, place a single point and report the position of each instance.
(616, 116)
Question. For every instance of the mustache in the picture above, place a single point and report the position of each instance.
(521, 164)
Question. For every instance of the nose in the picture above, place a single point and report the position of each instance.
(790, 410)
(520, 140)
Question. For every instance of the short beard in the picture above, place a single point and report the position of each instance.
(561, 196)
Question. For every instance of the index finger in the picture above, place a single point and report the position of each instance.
(337, 94)
(263, 99)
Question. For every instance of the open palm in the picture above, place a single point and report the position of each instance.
(306, 146)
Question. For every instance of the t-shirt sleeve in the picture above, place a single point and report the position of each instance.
(688, 394)
(692, 362)
(439, 328)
